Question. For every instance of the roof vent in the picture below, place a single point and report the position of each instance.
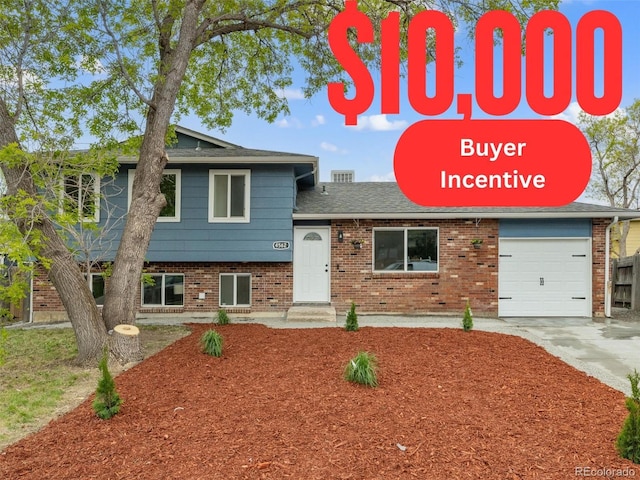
(324, 190)
(343, 176)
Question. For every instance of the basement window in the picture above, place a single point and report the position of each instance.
(235, 289)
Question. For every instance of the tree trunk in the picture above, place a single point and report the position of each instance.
(146, 199)
(623, 230)
(125, 344)
(64, 273)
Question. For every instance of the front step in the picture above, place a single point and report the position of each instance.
(311, 313)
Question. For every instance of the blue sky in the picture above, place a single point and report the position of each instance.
(314, 128)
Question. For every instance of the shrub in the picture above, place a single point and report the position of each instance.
(223, 318)
(467, 319)
(362, 369)
(628, 441)
(211, 342)
(352, 319)
(107, 402)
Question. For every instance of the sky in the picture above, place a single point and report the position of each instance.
(315, 128)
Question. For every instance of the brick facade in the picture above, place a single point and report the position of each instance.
(465, 273)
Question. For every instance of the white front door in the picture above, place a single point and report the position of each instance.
(311, 264)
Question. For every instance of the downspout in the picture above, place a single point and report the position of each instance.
(607, 281)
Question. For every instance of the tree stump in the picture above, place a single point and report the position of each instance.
(125, 344)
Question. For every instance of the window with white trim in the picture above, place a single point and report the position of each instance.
(235, 289)
(405, 249)
(81, 196)
(229, 192)
(164, 290)
(171, 188)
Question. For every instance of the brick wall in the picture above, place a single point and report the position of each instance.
(465, 273)
(599, 262)
(271, 289)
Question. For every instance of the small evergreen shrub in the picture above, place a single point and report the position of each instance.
(467, 319)
(628, 441)
(352, 319)
(211, 342)
(107, 402)
(362, 369)
(223, 318)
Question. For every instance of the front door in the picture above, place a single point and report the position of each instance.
(311, 264)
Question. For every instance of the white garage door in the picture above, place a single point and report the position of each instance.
(544, 277)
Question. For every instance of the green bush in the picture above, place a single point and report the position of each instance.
(211, 342)
(467, 319)
(628, 441)
(362, 369)
(223, 318)
(352, 319)
(107, 402)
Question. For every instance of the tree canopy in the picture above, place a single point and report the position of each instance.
(119, 69)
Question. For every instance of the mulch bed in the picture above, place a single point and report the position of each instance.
(450, 405)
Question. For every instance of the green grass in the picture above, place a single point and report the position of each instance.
(39, 370)
(212, 343)
(362, 369)
(35, 375)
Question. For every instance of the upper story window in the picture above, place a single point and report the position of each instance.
(229, 192)
(81, 197)
(171, 188)
(405, 249)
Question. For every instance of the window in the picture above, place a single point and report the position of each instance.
(81, 197)
(229, 195)
(167, 290)
(235, 289)
(171, 188)
(97, 287)
(405, 249)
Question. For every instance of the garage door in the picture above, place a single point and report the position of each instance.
(544, 277)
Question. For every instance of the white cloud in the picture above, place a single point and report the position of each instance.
(318, 120)
(93, 67)
(291, 94)
(290, 122)
(389, 177)
(330, 147)
(573, 111)
(378, 123)
(570, 114)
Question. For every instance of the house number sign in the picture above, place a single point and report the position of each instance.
(281, 245)
(494, 162)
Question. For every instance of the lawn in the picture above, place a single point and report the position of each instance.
(450, 405)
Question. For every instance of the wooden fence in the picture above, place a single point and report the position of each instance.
(625, 281)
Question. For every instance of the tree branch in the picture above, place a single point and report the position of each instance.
(121, 65)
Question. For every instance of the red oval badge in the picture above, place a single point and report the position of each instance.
(492, 163)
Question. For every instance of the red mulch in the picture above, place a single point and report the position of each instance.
(450, 405)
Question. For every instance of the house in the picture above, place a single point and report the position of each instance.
(254, 232)
(633, 239)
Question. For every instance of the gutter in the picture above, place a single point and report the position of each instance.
(607, 279)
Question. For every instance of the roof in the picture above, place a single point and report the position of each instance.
(204, 149)
(379, 200)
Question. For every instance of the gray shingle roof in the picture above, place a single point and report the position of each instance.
(386, 200)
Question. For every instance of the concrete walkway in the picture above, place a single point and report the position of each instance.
(607, 349)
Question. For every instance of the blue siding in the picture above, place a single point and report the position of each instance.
(547, 227)
(195, 239)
